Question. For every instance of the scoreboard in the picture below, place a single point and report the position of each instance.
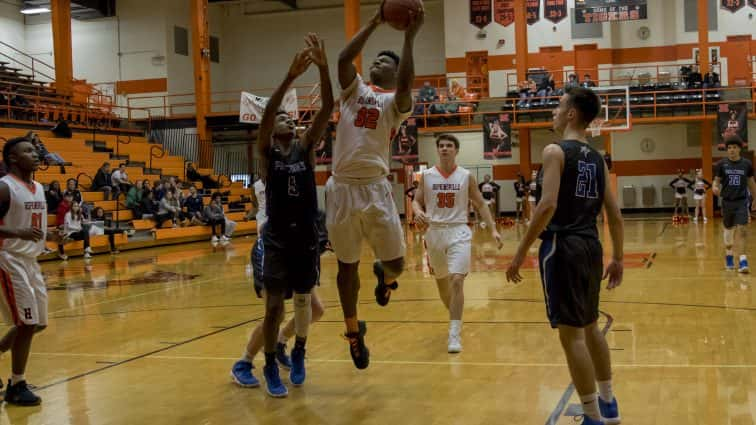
(592, 11)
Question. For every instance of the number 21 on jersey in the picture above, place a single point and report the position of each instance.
(587, 186)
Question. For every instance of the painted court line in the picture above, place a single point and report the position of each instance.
(416, 362)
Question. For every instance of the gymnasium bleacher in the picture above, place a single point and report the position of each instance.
(86, 156)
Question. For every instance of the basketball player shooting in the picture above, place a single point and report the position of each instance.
(359, 201)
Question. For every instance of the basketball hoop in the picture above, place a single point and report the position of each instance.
(595, 128)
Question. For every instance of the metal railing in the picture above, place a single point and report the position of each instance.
(31, 63)
(153, 149)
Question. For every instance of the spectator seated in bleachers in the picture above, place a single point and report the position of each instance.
(194, 206)
(103, 182)
(711, 80)
(63, 207)
(99, 224)
(53, 196)
(149, 207)
(4, 103)
(194, 176)
(169, 209)
(161, 187)
(695, 80)
(587, 82)
(134, 198)
(546, 87)
(215, 218)
(427, 93)
(572, 81)
(49, 158)
(120, 178)
(19, 105)
(73, 229)
(527, 90)
(72, 187)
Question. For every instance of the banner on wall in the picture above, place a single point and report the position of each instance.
(593, 11)
(733, 5)
(732, 120)
(252, 107)
(404, 145)
(497, 136)
(504, 12)
(533, 11)
(480, 13)
(324, 148)
(555, 10)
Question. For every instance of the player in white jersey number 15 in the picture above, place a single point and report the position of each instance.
(23, 214)
(440, 206)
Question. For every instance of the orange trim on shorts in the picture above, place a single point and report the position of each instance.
(427, 258)
(10, 296)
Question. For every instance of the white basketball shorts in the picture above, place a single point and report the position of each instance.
(24, 294)
(449, 249)
(363, 211)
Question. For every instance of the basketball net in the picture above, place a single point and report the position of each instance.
(595, 128)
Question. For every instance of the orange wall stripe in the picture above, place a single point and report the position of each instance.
(151, 85)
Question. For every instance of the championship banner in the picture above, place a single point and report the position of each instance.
(533, 11)
(733, 5)
(504, 12)
(324, 148)
(555, 10)
(480, 13)
(732, 120)
(252, 107)
(497, 136)
(404, 145)
(593, 11)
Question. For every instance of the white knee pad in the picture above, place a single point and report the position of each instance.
(729, 236)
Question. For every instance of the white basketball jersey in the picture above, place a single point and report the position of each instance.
(262, 215)
(368, 122)
(28, 208)
(446, 197)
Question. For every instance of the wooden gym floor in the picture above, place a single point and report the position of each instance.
(149, 337)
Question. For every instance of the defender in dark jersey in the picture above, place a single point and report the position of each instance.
(732, 181)
(573, 189)
(520, 194)
(292, 259)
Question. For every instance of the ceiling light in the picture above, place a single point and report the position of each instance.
(34, 10)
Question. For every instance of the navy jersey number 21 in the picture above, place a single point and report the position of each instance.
(587, 186)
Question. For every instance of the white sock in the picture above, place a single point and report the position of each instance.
(247, 358)
(728, 252)
(455, 327)
(302, 314)
(590, 406)
(743, 258)
(15, 379)
(605, 391)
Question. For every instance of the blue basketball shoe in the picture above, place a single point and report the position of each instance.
(243, 376)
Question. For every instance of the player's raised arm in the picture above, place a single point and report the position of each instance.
(614, 270)
(347, 71)
(406, 73)
(320, 122)
(300, 64)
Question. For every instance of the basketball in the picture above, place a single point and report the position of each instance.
(397, 12)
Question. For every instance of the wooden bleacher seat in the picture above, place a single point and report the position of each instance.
(242, 227)
(95, 242)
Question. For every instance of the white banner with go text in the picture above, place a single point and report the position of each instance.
(252, 107)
